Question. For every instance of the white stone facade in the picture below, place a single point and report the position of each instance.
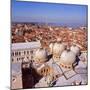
(23, 52)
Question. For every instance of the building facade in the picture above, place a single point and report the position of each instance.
(23, 52)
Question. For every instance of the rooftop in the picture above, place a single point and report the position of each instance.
(28, 45)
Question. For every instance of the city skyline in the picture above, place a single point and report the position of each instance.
(60, 14)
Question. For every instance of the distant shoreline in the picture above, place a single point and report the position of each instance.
(51, 24)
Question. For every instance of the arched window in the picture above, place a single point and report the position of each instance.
(44, 70)
(41, 71)
(17, 59)
(12, 53)
(56, 76)
(19, 53)
(13, 79)
(31, 51)
(27, 52)
(12, 59)
(47, 70)
(16, 53)
(53, 78)
(24, 52)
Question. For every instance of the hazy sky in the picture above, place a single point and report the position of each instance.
(63, 14)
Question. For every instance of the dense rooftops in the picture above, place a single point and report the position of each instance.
(46, 34)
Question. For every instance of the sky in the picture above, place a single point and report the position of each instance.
(60, 14)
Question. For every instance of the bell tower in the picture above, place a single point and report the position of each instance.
(29, 75)
(27, 78)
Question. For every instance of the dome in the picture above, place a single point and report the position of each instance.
(67, 59)
(75, 49)
(41, 55)
(58, 48)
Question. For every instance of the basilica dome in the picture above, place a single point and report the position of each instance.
(58, 48)
(67, 59)
(75, 49)
(41, 56)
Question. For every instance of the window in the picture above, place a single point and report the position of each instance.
(27, 52)
(13, 79)
(44, 70)
(19, 53)
(41, 71)
(24, 52)
(17, 59)
(47, 69)
(56, 76)
(27, 57)
(16, 53)
(53, 78)
(31, 51)
(12, 53)
(12, 59)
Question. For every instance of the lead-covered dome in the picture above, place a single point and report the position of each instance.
(74, 48)
(41, 56)
(67, 59)
(58, 48)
